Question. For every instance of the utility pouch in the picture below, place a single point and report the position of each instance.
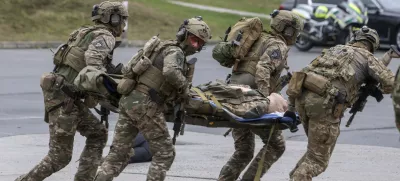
(60, 54)
(338, 110)
(47, 81)
(90, 101)
(143, 64)
(295, 85)
(316, 83)
(126, 86)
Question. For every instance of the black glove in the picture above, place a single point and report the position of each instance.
(112, 69)
(291, 114)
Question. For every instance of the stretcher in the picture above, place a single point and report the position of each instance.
(227, 119)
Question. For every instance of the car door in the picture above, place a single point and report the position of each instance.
(377, 21)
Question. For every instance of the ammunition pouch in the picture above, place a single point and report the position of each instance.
(126, 86)
(295, 86)
(75, 58)
(72, 56)
(153, 78)
(246, 64)
(60, 54)
(316, 83)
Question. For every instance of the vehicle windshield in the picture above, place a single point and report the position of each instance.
(393, 5)
(369, 4)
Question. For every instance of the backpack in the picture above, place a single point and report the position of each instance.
(143, 55)
(238, 41)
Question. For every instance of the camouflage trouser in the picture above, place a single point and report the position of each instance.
(63, 126)
(396, 99)
(244, 150)
(139, 113)
(322, 130)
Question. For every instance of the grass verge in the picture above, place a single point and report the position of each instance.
(49, 20)
(256, 6)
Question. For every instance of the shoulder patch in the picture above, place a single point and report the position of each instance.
(275, 54)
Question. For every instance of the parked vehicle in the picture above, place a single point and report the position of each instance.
(329, 26)
(290, 4)
(384, 17)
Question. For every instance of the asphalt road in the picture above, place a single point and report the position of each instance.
(21, 102)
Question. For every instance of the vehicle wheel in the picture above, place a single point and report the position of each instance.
(303, 44)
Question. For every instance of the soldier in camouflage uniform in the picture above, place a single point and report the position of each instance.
(87, 46)
(396, 97)
(262, 74)
(330, 85)
(240, 100)
(162, 82)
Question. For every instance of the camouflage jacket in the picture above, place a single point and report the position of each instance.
(272, 52)
(348, 67)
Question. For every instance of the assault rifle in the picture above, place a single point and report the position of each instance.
(369, 89)
(282, 82)
(179, 110)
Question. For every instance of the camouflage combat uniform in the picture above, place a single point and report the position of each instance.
(87, 46)
(343, 69)
(396, 99)
(261, 74)
(142, 111)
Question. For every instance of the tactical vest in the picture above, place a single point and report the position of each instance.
(248, 65)
(72, 53)
(335, 65)
(147, 69)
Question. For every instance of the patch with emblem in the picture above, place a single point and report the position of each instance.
(276, 54)
(100, 44)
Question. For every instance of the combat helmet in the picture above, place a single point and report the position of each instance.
(110, 13)
(367, 34)
(193, 26)
(287, 24)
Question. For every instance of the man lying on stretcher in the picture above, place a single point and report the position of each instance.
(216, 104)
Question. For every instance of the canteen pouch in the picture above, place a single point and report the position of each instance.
(60, 54)
(143, 64)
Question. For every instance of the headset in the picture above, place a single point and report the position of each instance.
(115, 19)
(181, 34)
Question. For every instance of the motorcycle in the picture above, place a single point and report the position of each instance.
(329, 27)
